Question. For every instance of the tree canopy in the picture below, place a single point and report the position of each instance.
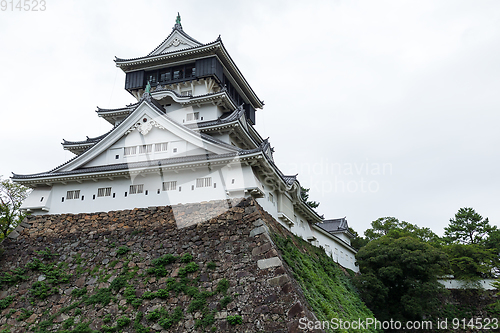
(399, 276)
(385, 225)
(304, 193)
(11, 198)
(468, 227)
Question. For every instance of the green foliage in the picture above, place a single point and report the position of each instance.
(222, 286)
(68, 323)
(327, 289)
(25, 314)
(471, 262)
(41, 290)
(187, 257)
(123, 321)
(211, 265)
(103, 296)
(304, 193)
(47, 254)
(164, 260)
(207, 320)
(11, 198)
(122, 250)
(157, 271)
(357, 241)
(225, 301)
(468, 227)
(13, 277)
(197, 304)
(78, 292)
(235, 320)
(160, 293)
(118, 283)
(385, 225)
(138, 327)
(131, 298)
(165, 319)
(399, 277)
(107, 318)
(189, 268)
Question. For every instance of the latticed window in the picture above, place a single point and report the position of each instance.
(161, 146)
(73, 194)
(187, 93)
(204, 182)
(192, 116)
(129, 151)
(170, 186)
(104, 192)
(145, 149)
(135, 189)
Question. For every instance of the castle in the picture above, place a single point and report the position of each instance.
(188, 138)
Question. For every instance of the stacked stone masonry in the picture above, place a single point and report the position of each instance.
(232, 234)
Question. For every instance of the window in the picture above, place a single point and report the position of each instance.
(204, 182)
(175, 150)
(187, 93)
(134, 189)
(192, 116)
(73, 194)
(129, 151)
(271, 198)
(170, 186)
(104, 192)
(145, 149)
(161, 146)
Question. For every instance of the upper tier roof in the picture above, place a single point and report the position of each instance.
(179, 46)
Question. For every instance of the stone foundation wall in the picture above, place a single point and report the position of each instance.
(211, 242)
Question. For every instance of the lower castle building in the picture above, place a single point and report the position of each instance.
(189, 137)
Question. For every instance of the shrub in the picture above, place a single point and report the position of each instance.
(123, 321)
(40, 290)
(164, 260)
(118, 283)
(211, 265)
(222, 286)
(107, 318)
(235, 320)
(187, 257)
(122, 250)
(4, 303)
(78, 292)
(225, 301)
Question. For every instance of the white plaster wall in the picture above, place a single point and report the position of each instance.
(135, 139)
(486, 284)
(179, 114)
(338, 251)
(186, 182)
(301, 227)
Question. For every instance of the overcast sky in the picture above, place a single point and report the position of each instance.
(383, 108)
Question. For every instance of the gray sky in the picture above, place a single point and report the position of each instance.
(384, 108)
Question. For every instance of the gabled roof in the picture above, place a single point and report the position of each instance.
(177, 36)
(335, 225)
(201, 50)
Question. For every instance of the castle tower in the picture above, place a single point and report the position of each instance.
(188, 137)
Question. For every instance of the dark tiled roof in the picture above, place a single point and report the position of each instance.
(224, 119)
(334, 225)
(117, 60)
(88, 140)
(290, 179)
(134, 165)
(126, 108)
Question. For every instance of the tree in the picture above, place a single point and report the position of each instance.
(385, 225)
(358, 241)
(468, 227)
(399, 277)
(304, 193)
(11, 198)
(471, 261)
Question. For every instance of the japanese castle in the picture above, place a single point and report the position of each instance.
(189, 137)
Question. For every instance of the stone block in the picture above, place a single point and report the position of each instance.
(268, 263)
(258, 223)
(258, 231)
(261, 249)
(13, 234)
(278, 280)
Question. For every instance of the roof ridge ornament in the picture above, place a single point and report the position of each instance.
(178, 24)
